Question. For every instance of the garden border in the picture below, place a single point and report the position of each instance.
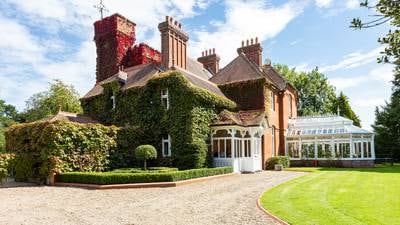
(143, 185)
(268, 214)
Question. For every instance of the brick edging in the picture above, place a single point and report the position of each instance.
(143, 185)
(270, 215)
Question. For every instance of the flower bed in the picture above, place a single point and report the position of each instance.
(145, 177)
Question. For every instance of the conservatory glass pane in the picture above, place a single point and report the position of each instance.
(294, 148)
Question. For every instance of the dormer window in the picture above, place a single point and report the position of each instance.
(113, 101)
(166, 146)
(164, 98)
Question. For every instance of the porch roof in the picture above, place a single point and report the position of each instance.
(242, 118)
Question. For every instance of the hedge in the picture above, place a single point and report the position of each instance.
(125, 178)
(149, 170)
(44, 147)
(283, 160)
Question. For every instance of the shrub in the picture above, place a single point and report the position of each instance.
(5, 165)
(124, 178)
(283, 160)
(145, 152)
(45, 147)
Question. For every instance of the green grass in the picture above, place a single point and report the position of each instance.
(338, 196)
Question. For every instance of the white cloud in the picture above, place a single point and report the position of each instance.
(244, 20)
(352, 4)
(353, 60)
(323, 3)
(382, 73)
(370, 102)
(295, 42)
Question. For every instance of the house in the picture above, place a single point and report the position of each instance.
(193, 112)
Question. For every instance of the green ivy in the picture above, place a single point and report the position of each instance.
(187, 120)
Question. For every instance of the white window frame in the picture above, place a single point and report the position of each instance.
(272, 101)
(165, 96)
(169, 146)
(113, 99)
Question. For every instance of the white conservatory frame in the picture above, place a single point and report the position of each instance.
(242, 158)
(308, 137)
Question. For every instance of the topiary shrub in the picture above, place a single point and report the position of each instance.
(144, 153)
(283, 160)
(5, 165)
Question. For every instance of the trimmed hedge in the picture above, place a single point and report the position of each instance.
(125, 178)
(149, 170)
(283, 160)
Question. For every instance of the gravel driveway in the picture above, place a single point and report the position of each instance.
(229, 200)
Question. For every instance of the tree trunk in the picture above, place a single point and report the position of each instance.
(145, 165)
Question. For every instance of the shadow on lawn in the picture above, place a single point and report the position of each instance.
(379, 168)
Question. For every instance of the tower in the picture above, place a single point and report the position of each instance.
(113, 35)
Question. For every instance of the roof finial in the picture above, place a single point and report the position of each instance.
(101, 7)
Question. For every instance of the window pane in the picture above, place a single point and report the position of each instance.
(215, 148)
(249, 148)
(166, 148)
(222, 148)
(228, 148)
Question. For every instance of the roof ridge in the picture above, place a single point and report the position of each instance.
(201, 78)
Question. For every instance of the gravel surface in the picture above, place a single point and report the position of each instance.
(228, 200)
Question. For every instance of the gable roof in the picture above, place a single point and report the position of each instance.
(138, 76)
(239, 69)
(243, 69)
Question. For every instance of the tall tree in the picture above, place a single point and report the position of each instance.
(59, 97)
(387, 121)
(342, 105)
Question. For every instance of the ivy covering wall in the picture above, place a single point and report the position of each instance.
(191, 110)
(248, 94)
(43, 147)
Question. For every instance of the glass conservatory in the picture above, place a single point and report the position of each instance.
(328, 137)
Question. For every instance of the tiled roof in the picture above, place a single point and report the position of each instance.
(138, 76)
(242, 69)
(72, 117)
(239, 69)
(241, 118)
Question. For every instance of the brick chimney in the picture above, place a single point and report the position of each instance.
(252, 50)
(113, 35)
(173, 43)
(210, 61)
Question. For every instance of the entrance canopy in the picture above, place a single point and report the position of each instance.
(236, 140)
(328, 137)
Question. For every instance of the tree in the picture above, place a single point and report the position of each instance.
(144, 153)
(8, 116)
(59, 97)
(343, 106)
(387, 117)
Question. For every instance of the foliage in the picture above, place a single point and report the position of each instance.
(243, 93)
(316, 95)
(283, 160)
(148, 170)
(187, 120)
(58, 97)
(144, 153)
(124, 178)
(42, 148)
(5, 165)
(342, 104)
(387, 121)
(8, 116)
(334, 196)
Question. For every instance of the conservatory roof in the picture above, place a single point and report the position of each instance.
(323, 125)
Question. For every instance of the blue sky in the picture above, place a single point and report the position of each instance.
(52, 39)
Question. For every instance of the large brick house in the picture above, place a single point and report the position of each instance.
(250, 118)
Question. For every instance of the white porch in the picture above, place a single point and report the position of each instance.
(239, 147)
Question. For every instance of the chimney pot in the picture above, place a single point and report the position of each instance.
(252, 41)
(247, 42)
(242, 43)
(213, 50)
(209, 51)
(256, 40)
(202, 54)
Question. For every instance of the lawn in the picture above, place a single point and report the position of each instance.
(338, 196)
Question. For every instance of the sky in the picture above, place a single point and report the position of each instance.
(43, 40)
